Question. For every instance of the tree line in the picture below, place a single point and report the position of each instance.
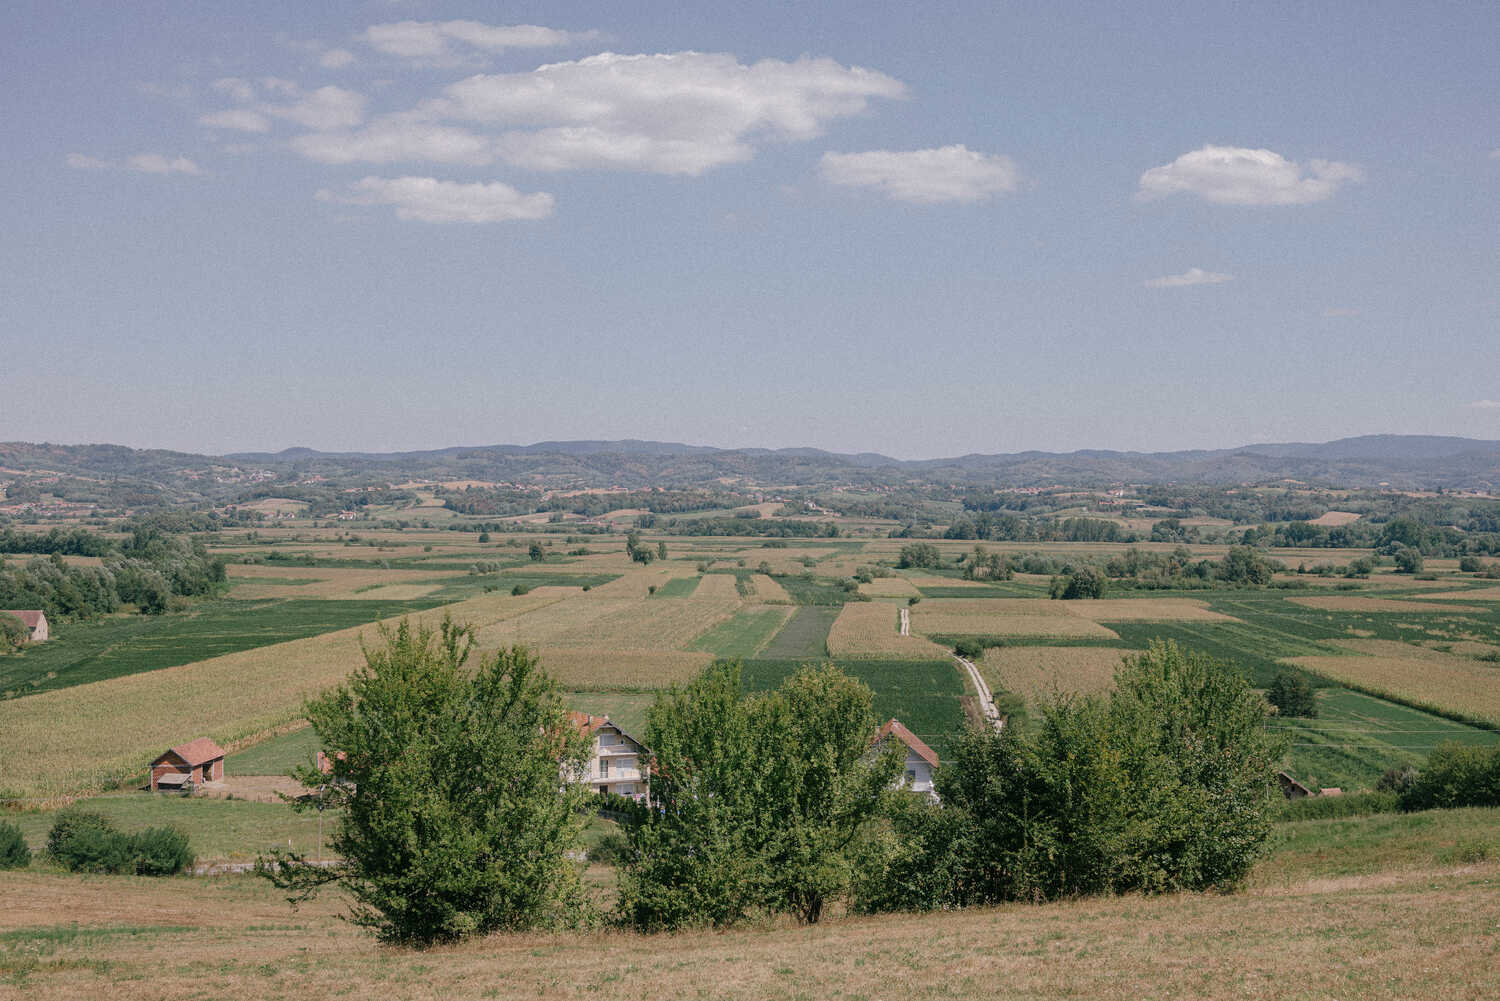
(766, 804)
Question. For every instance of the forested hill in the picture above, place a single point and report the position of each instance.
(1399, 461)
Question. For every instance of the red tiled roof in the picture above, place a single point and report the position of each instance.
(587, 723)
(31, 618)
(197, 752)
(895, 729)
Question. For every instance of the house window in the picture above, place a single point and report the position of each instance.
(625, 790)
(911, 776)
(604, 768)
(606, 740)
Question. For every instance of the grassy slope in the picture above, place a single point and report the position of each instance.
(276, 756)
(1318, 926)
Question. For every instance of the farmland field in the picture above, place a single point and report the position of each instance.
(1034, 673)
(923, 694)
(745, 634)
(121, 645)
(805, 634)
(870, 629)
(1457, 686)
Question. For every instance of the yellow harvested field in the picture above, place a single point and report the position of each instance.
(1478, 594)
(995, 606)
(889, 587)
(1360, 603)
(259, 581)
(1334, 519)
(933, 620)
(1417, 675)
(108, 731)
(586, 667)
(869, 629)
(636, 583)
(719, 586)
(613, 623)
(1038, 671)
(767, 589)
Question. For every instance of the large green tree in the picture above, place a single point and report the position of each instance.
(454, 820)
(757, 799)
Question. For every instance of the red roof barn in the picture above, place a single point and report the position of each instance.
(200, 760)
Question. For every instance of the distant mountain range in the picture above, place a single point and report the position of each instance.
(1399, 461)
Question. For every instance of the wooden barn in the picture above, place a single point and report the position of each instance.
(193, 763)
(35, 621)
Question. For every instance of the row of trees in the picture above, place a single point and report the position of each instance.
(148, 570)
(769, 803)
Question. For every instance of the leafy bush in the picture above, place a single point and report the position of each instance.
(1082, 582)
(13, 851)
(1292, 695)
(1456, 775)
(87, 842)
(160, 851)
(1167, 784)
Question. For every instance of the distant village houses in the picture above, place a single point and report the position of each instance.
(35, 621)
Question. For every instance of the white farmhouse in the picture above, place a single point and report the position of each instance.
(920, 759)
(614, 763)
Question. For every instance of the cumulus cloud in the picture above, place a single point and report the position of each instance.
(677, 113)
(434, 40)
(426, 199)
(946, 174)
(140, 163)
(322, 109)
(398, 139)
(336, 59)
(1485, 405)
(1192, 276)
(1232, 175)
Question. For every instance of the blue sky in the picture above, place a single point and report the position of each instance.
(975, 227)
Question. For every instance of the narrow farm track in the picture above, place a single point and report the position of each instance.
(905, 622)
(986, 697)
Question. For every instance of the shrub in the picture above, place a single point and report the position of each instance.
(1456, 775)
(160, 851)
(1359, 804)
(1083, 582)
(88, 842)
(1469, 564)
(1408, 560)
(520, 589)
(13, 851)
(969, 649)
(1292, 695)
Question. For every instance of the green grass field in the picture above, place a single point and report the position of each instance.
(277, 756)
(923, 694)
(677, 587)
(1357, 737)
(743, 635)
(804, 635)
(82, 652)
(227, 829)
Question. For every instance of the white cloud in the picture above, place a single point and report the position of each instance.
(1192, 276)
(243, 119)
(1485, 405)
(426, 199)
(140, 163)
(678, 113)
(335, 59)
(397, 139)
(946, 174)
(323, 109)
(430, 40)
(1231, 175)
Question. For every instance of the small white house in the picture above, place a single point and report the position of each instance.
(614, 764)
(921, 760)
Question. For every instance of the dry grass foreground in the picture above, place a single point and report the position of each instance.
(1421, 934)
(79, 739)
(870, 630)
(1415, 675)
(1036, 672)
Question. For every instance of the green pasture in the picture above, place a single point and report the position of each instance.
(743, 635)
(805, 634)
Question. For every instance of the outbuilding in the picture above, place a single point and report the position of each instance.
(35, 621)
(920, 761)
(192, 763)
